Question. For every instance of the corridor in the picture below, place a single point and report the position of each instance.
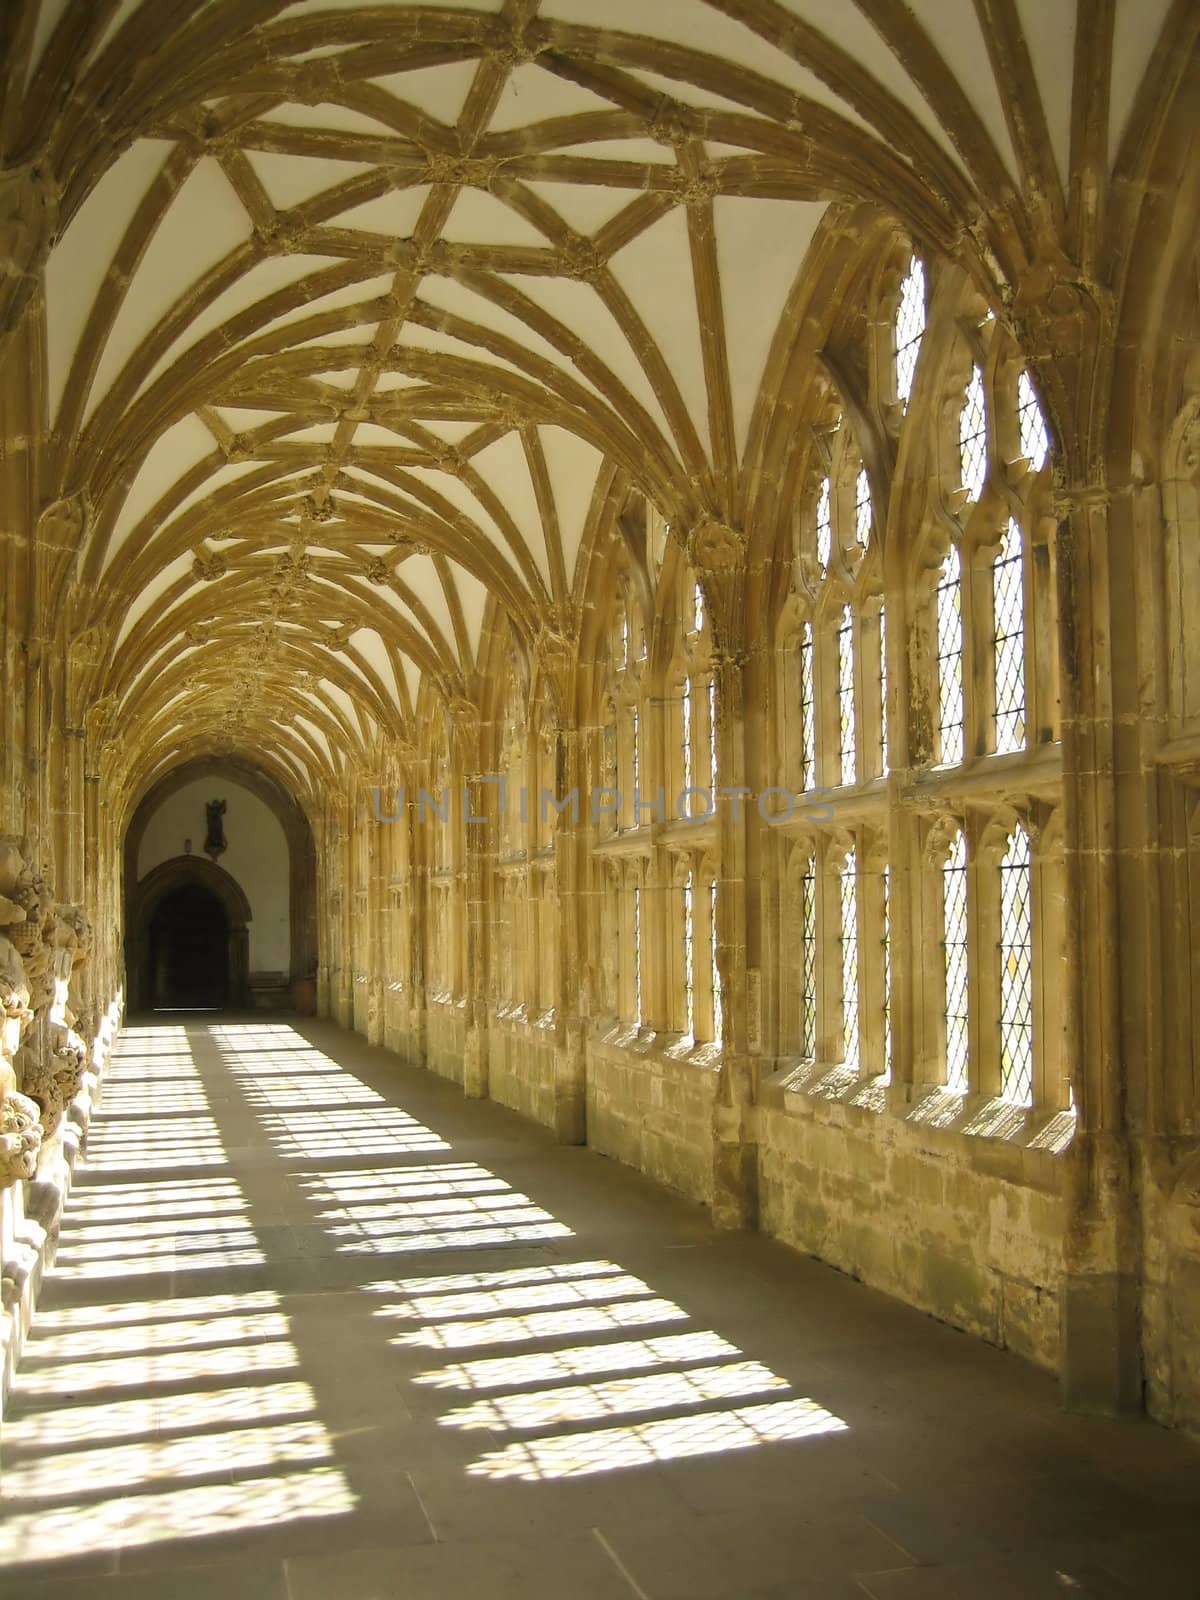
(320, 1329)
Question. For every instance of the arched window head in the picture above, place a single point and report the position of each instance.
(949, 659)
(972, 437)
(1035, 441)
(909, 328)
(1016, 971)
(1008, 609)
(824, 525)
(864, 515)
(954, 920)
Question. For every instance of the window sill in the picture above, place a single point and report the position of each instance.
(796, 1084)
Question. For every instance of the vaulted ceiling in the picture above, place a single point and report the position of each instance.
(351, 309)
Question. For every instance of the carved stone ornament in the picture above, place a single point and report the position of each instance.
(714, 547)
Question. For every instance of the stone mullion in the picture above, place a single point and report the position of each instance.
(345, 979)
(377, 915)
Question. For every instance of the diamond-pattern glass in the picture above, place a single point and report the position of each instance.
(864, 516)
(636, 750)
(1008, 605)
(845, 649)
(849, 943)
(685, 732)
(883, 692)
(1016, 972)
(972, 436)
(954, 916)
(910, 327)
(712, 732)
(808, 729)
(949, 660)
(886, 899)
(689, 970)
(808, 959)
(718, 1010)
(1035, 441)
(637, 954)
(824, 525)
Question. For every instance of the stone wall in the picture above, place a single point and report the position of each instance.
(967, 1228)
(652, 1110)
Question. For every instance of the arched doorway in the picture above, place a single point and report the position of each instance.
(188, 950)
(188, 945)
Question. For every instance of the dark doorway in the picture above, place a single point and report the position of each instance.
(189, 951)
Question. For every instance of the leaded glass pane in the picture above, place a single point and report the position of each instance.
(972, 436)
(849, 943)
(824, 525)
(845, 649)
(1016, 972)
(717, 1007)
(808, 959)
(954, 912)
(689, 984)
(712, 731)
(808, 731)
(863, 514)
(949, 660)
(1035, 441)
(883, 692)
(686, 732)
(637, 954)
(910, 327)
(1008, 604)
(636, 736)
(697, 609)
(886, 893)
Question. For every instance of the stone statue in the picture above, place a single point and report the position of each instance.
(215, 843)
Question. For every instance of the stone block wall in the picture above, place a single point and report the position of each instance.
(966, 1228)
(653, 1111)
